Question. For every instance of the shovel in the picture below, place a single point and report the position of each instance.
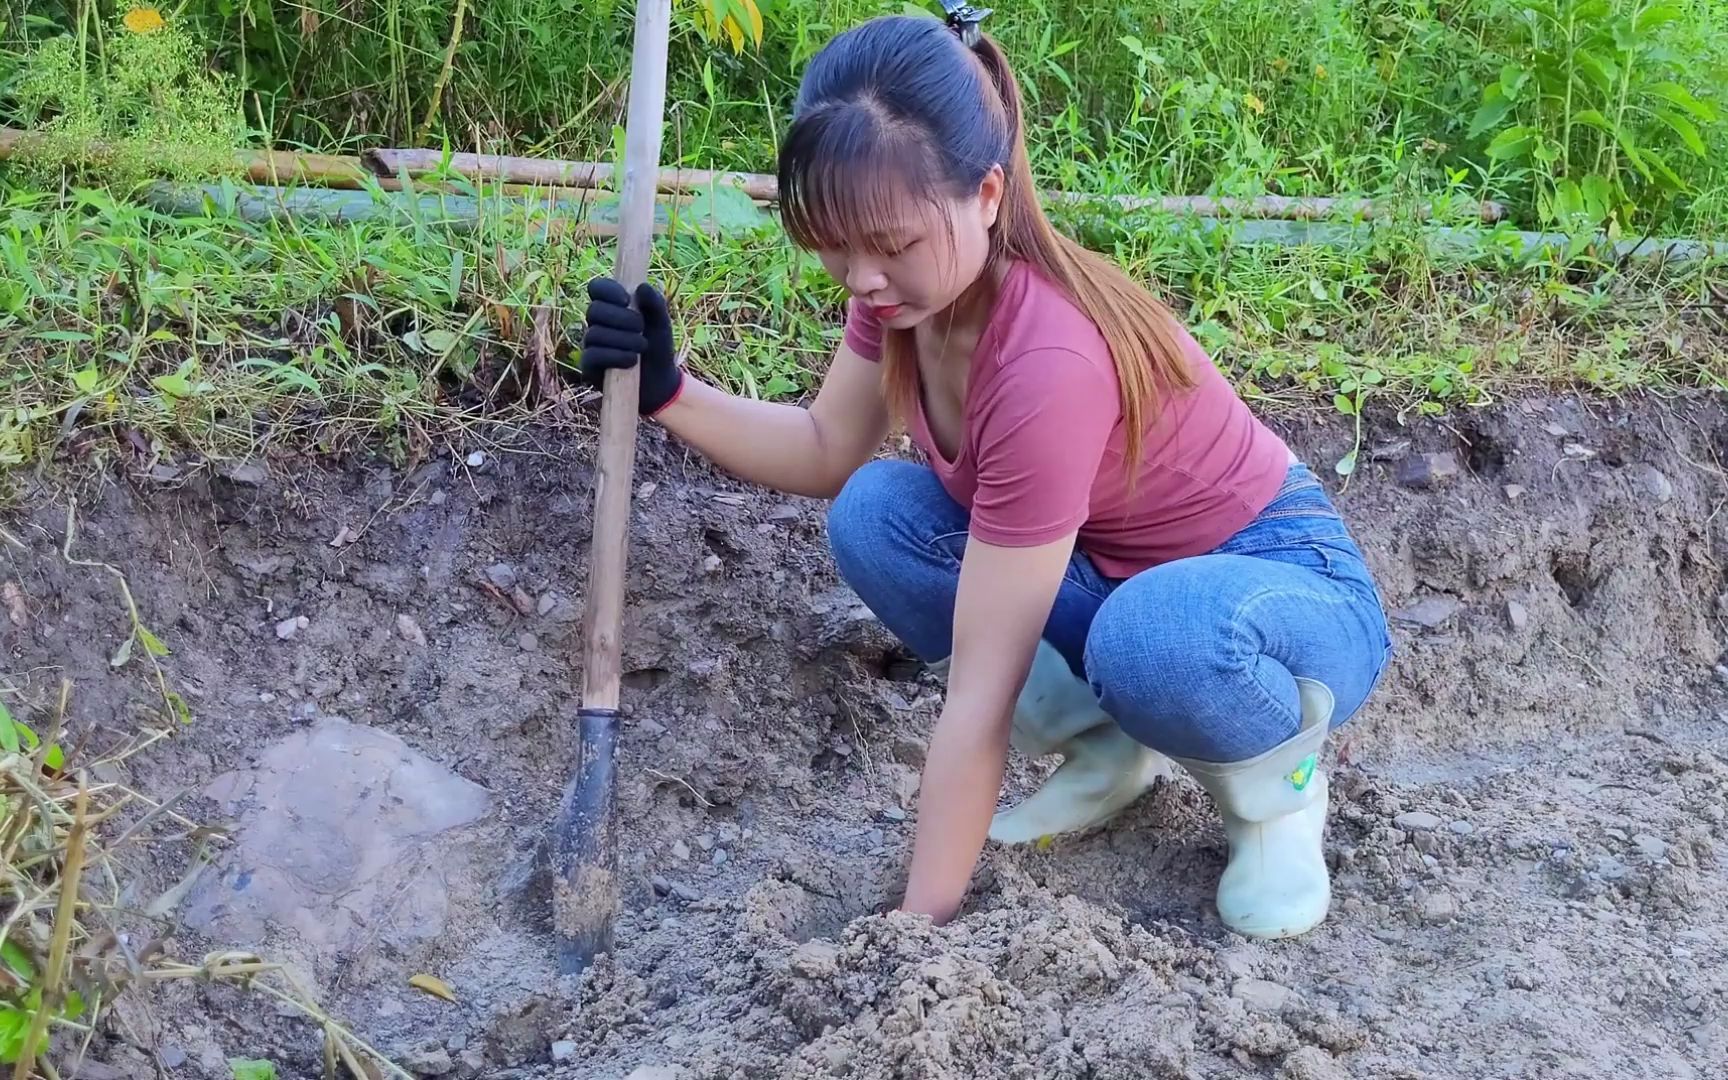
(583, 849)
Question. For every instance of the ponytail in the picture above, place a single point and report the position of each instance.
(1146, 339)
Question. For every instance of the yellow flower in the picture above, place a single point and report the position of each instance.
(1320, 72)
(143, 20)
(1254, 103)
(1280, 65)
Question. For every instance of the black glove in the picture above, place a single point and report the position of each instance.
(617, 336)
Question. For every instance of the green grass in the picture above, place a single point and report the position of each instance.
(1182, 96)
(228, 336)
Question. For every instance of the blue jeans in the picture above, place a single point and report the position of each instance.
(1195, 658)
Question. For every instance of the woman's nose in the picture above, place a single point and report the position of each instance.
(864, 277)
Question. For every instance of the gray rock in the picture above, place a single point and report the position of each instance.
(1652, 847)
(1430, 611)
(528, 642)
(502, 575)
(430, 1061)
(662, 887)
(894, 813)
(172, 1056)
(1417, 821)
(1651, 481)
(287, 628)
(409, 630)
(1261, 996)
(1437, 908)
(657, 1072)
(563, 1050)
(1516, 615)
(251, 473)
(1424, 471)
(687, 893)
(1462, 828)
(680, 850)
(720, 856)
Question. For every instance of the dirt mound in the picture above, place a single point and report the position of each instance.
(1527, 815)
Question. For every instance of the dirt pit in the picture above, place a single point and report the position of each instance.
(1526, 833)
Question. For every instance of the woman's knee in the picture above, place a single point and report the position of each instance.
(883, 507)
(1173, 671)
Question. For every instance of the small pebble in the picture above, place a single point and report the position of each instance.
(680, 850)
(1514, 492)
(711, 565)
(528, 642)
(1517, 615)
(287, 628)
(894, 813)
(563, 1050)
(1437, 908)
(266, 697)
(1423, 471)
(1462, 828)
(705, 841)
(686, 893)
(1417, 821)
(720, 856)
(476, 459)
(660, 884)
(502, 575)
(409, 630)
(1261, 996)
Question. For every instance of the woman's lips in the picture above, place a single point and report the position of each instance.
(887, 312)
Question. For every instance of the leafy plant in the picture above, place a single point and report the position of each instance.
(143, 104)
(1593, 100)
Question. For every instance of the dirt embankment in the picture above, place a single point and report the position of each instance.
(1525, 837)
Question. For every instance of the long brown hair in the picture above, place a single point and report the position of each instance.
(900, 105)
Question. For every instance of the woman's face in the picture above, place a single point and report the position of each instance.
(922, 258)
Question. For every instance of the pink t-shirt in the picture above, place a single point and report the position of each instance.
(1042, 451)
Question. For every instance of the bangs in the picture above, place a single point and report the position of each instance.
(850, 178)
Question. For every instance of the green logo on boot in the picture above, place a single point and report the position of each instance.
(1304, 772)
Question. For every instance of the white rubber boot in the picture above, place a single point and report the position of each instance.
(1274, 808)
(1103, 771)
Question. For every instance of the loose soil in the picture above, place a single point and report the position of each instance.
(1526, 834)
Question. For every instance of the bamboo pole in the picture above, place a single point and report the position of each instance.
(521, 175)
(766, 188)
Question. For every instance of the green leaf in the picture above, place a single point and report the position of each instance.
(76, 336)
(1677, 95)
(1512, 80)
(1659, 169)
(1346, 464)
(1495, 105)
(55, 758)
(19, 961)
(1601, 73)
(74, 1006)
(122, 654)
(152, 644)
(8, 731)
(252, 1069)
(86, 380)
(1344, 404)
(1511, 143)
(439, 341)
(14, 1025)
(1687, 131)
(1659, 15)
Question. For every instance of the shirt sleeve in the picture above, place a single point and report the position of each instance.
(863, 331)
(1040, 433)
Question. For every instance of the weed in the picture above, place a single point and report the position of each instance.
(142, 106)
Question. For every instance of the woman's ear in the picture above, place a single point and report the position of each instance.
(990, 195)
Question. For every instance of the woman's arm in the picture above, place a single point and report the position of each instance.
(1004, 600)
(800, 451)
(786, 447)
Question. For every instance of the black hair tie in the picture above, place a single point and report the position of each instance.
(965, 20)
